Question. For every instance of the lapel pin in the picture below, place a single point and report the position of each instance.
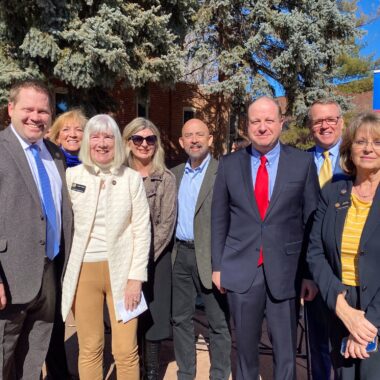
(337, 205)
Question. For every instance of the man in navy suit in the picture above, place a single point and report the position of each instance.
(264, 197)
(325, 122)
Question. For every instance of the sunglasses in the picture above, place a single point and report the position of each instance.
(138, 140)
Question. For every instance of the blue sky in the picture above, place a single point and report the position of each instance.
(372, 38)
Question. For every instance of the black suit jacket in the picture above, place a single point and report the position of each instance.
(325, 247)
(238, 231)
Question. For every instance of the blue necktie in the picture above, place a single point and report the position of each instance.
(52, 244)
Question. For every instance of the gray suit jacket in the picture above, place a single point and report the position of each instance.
(202, 222)
(22, 221)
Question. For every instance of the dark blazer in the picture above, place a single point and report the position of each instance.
(202, 222)
(323, 254)
(22, 221)
(238, 231)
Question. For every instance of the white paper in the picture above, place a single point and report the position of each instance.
(127, 315)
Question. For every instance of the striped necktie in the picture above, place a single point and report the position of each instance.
(52, 243)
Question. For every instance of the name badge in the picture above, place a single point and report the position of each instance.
(78, 187)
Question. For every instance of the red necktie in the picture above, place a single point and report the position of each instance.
(262, 194)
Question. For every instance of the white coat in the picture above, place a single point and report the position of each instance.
(127, 228)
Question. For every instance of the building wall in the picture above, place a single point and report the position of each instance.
(165, 109)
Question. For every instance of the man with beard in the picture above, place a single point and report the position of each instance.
(192, 257)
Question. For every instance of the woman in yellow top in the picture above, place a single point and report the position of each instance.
(344, 251)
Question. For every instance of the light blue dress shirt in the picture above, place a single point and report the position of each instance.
(187, 198)
(52, 171)
(272, 164)
(334, 155)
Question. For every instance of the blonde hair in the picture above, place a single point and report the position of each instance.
(370, 120)
(136, 125)
(74, 115)
(98, 124)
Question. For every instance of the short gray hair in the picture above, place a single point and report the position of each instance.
(322, 102)
(102, 123)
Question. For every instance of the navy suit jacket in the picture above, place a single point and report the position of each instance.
(325, 246)
(238, 231)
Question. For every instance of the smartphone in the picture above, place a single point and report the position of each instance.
(371, 347)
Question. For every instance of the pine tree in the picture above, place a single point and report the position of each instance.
(89, 45)
(252, 46)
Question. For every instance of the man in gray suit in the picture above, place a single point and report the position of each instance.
(35, 230)
(192, 257)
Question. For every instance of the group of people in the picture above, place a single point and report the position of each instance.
(94, 217)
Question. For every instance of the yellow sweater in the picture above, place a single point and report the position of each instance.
(353, 228)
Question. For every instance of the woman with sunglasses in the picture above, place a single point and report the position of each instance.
(146, 155)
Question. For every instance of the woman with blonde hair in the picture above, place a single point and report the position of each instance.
(109, 254)
(67, 132)
(343, 254)
(145, 154)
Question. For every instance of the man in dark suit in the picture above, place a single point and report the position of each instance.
(35, 230)
(325, 122)
(264, 196)
(192, 258)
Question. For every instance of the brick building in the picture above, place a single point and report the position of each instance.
(169, 108)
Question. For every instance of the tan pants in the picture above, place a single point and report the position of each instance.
(93, 287)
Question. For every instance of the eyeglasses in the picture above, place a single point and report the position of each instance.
(330, 121)
(360, 144)
(138, 140)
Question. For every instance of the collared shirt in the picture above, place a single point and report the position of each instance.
(334, 155)
(187, 198)
(272, 164)
(52, 171)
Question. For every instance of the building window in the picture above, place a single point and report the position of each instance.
(188, 113)
(61, 100)
(142, 109)
(142, 102)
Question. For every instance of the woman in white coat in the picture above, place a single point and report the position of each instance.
(109, 255)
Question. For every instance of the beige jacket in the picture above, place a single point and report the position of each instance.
(127, 226)
(161, 192)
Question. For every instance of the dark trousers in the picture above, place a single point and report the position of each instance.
(248, 310)
(186, 285)
(317, 318)
(351, 369)
(25, 331)
(56, 361)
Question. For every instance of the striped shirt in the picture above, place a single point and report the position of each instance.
(353, 227)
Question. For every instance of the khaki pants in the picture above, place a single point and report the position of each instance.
(93, 287)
